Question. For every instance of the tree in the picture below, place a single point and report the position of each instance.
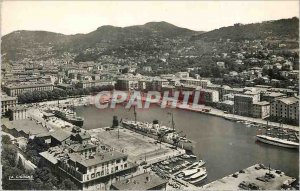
(67, 184)
(6, 140)
(34, 147)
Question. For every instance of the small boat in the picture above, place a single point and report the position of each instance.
(189, 172)
(192, 156)
(199, 179)
(200, 163)
(185, 156)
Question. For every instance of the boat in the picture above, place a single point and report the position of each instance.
(67, 115)
(277, 141)
(193, 156)
(199, 163)
(190, 172)
(159, 132)
(200, 177)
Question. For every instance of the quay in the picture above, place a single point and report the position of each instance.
(220, 113)
(255, 177)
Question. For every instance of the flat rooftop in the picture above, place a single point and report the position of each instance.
(26, 125)
(250, 175)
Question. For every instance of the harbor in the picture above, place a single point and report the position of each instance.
(229, 146)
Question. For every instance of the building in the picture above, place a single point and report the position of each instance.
(285, 110)
(145, 181)
(261, 109)
(209, 97)
(182, 75)
(20, 88)
(243, 104)
(271, 96)
(96, 171)
(95, 83)
(147, 68)
(127, 84)
(7, 102)
(17, 113)
(195, 82)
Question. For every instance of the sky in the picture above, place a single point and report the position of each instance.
(71, 17)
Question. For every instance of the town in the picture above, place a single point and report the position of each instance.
(48, 86)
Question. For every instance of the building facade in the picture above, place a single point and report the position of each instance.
(17, 89)
(285, 110)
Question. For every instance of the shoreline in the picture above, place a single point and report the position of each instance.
(86, 100)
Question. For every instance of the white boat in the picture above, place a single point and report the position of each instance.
(193, 156)
(201, 172)
(200, 178)
(201, 163)
(277, 141)
(198, 163)
(189, 172)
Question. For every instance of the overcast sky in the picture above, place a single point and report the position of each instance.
(71, 17)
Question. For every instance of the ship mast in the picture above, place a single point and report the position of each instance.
(134, 112)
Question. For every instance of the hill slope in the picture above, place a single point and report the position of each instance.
(283, 28)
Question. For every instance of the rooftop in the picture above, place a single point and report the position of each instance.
(145, 181)
(289, 100)
(26, 125)
(98, 158)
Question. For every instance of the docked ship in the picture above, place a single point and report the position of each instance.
(279, 137)
(69, 116)
(159, 132)
(277, 141)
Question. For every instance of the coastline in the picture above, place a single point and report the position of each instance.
(87, 100)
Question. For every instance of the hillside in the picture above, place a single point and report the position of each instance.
(15, 44)
(283, 28)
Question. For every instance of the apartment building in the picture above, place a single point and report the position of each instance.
(20, 88)
(285, 110)
(6, 103)
(261, 109)
(243, 104)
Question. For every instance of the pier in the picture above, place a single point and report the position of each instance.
(255, 177)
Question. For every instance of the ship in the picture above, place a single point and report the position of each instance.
(159, 132)
(69, 116)
(198, 177)
(277, 141)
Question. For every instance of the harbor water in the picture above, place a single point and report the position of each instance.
(226, 146)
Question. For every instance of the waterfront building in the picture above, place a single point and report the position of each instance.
(271, 96)
(17, 113)
(261, 109)
(127, 84)
(6, 103)
(243, 104)
(209, 97)
(96, 171)
(20, 88)
(145, 181)
(285, 110)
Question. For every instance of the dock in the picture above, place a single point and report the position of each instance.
(255, 177)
